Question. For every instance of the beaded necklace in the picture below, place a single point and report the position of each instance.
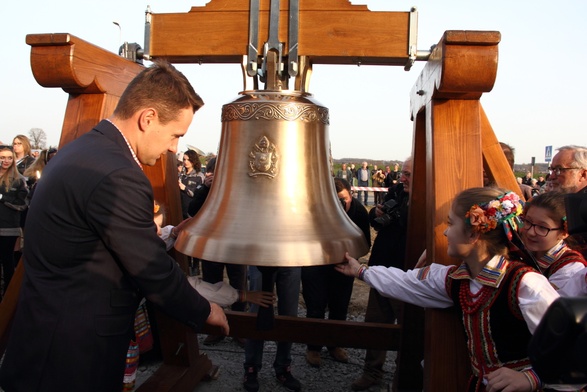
(470, 303)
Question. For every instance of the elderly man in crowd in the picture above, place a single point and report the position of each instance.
(568, 170)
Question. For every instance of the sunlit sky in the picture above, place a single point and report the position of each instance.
(537, 99)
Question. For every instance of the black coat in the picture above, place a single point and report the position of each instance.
(389, 246)
(92, 252)
(360, 217)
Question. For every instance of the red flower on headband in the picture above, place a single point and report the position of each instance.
(486, 216)
(478, 220)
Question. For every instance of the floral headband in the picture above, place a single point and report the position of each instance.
(486, 216)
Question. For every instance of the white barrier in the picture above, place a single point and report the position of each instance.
(369, 188)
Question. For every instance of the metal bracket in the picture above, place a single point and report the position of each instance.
(294, 18)
(273, 43)
(412, 39)
(148, 13)
(253, 52)
(413, 52)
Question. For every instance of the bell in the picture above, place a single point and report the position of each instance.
(273, 202)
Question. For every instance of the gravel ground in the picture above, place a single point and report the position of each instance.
(332, 376)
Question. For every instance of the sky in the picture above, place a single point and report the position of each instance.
(536, 101)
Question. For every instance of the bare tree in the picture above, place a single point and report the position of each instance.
(38, 138)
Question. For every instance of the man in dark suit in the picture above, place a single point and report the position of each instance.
(92, 247)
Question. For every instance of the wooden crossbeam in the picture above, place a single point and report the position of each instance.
(330, 32)
(314, 331)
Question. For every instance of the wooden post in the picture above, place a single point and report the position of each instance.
(446, 109)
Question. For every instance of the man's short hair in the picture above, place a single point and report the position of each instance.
(211, 165)
(509, 153)
(579, 154)
(341, 184)
(162, 87)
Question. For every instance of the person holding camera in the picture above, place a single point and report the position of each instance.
(390, 219)
(378, 179)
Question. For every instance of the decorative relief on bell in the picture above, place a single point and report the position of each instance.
(264, 159)
(275, 111)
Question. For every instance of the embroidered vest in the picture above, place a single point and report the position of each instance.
(497, 334)
(570, 256)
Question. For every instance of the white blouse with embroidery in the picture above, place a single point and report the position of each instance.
(426, 287)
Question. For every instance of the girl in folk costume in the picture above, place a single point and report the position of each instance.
(544, 234)
(501, 301)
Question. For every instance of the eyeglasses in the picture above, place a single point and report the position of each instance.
(559, 170)
(541, 231)
(6, 159)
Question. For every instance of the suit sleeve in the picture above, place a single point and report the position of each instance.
(120, 211)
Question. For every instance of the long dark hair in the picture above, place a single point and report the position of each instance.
(12, 173)
(194, 158)
(554, 203)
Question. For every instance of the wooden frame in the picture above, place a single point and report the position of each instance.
(452, 141)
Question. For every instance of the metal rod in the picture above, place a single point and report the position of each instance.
(273, 43)
(147, 46)
(253, 38)
(294, 15)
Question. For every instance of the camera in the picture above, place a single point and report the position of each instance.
(390, 214)
(343, 202)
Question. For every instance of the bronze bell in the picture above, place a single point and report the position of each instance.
(273, 201)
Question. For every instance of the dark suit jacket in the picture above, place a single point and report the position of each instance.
(91, 253)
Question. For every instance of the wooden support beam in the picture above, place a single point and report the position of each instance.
(495, 162)
(314, 331)
(448, 126)
(330, 32)
(94, 78)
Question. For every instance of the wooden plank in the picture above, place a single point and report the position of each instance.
(496, 163)
(463, 65)
(445, 100)
(77, 66)
(409, 374)
(331, 33)
(94, 77)
(314, 331)
(454, 164)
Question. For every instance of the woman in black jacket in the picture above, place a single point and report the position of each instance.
(13, 192)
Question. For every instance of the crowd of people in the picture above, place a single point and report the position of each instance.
(20, 171)
(96, 247)
(363, 177)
